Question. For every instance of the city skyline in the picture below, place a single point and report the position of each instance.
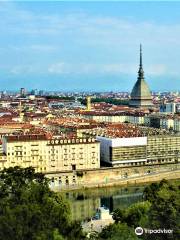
(94, 46)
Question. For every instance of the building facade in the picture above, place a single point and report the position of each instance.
(116, 118)
(157, 120)
(47, 155)
(140, 150)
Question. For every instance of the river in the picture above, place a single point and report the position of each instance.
(85, 202)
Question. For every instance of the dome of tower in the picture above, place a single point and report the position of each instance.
(140, 90)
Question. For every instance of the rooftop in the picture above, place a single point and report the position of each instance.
(23, 138)
(121, 130)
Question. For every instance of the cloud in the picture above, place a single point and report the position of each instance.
(57, 68)
(95, 29)
(85, 68)
(23, 69)
(82, 43)
(27, 70)
(157, 70)
(104, 69)
(83, 28)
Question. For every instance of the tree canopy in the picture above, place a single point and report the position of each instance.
(133, 216)
(165, 208)
(114, 101)
(118, 231)
(30, 210)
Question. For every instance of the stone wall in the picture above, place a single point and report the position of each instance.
(112, 176)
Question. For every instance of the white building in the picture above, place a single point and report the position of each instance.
(123, 151)
(129, 151)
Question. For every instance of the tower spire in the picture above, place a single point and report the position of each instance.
(140, 72)
(140, 56)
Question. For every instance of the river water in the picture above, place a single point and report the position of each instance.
(84, 203)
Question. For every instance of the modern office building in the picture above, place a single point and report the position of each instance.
(132, 151)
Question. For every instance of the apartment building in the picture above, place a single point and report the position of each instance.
(115, 117)
(47, 155)
(158, 120)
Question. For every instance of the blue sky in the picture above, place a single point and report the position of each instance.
(94, 46)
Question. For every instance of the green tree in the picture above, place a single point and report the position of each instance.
(165, 208)
(119, 215)
(106, 100)
(150, 191)
(118, 231)
(134, 216)
(30, 210)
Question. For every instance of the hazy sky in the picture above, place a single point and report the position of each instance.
(89, 45)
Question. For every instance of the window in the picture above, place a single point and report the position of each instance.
(73, 167)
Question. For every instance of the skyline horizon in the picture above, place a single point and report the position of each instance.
(81, 90)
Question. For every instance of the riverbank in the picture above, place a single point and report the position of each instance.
(131, 181)
(85, 201)
(156, 177)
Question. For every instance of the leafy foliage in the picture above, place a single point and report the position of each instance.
(134, 216)
(30, 210)
(118, 231)
(106, 100)
(165, 208)
(60, 98)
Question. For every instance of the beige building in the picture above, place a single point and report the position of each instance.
(49, 155)
(157, 120)
(115, 118)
